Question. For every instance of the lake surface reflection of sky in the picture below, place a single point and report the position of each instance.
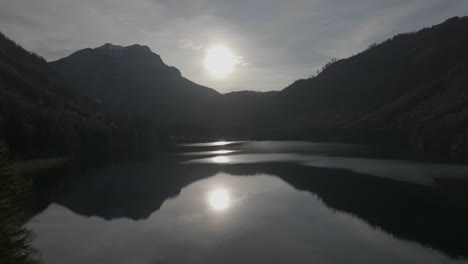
(221, 211)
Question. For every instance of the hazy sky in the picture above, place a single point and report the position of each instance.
(275, 41)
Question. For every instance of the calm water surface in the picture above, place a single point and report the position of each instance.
(261, 202)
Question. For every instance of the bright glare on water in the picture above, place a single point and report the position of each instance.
(264, 202)
(220, 159)
(219, 199)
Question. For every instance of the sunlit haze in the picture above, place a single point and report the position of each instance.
(220, 131)
(273, 42)
(219, 61)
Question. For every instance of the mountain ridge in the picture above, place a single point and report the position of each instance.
(408, 91)
(402, 87)
(41, 117)
(366, 98)
(106, 73)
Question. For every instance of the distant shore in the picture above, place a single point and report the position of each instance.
(35, 165)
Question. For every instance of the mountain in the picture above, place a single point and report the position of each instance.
(41, 117)
(413, 85)
(135, 81)
(408, 91)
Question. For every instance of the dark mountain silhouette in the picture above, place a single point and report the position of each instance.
(409, 90)
(136, 81)
(41, 117)
(413, 85)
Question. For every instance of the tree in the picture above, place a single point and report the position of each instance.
(14, 238)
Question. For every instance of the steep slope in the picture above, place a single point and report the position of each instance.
(411, 83)
(409, 90)
(136, 81)
(40, 117)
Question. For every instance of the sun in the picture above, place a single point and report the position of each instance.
(219, 61)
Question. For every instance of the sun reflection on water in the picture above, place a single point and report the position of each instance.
(220, 152)
(219, 199)
(220, 159)
(221, 143)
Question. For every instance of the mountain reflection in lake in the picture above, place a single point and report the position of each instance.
(261, 202)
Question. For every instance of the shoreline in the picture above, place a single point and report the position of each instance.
(35, 165)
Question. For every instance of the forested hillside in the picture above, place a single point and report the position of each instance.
(41, 117)
(135, 81)
(412, 88)
(408, 91)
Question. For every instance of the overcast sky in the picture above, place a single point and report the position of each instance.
(275, 41)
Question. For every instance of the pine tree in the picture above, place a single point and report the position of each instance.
(14, 238)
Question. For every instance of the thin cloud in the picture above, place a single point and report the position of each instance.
(188, 44)
(275, 41)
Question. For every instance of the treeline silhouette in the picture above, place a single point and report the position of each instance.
(408, 91)
(41, 117)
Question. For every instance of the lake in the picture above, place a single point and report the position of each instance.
(261, 202)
